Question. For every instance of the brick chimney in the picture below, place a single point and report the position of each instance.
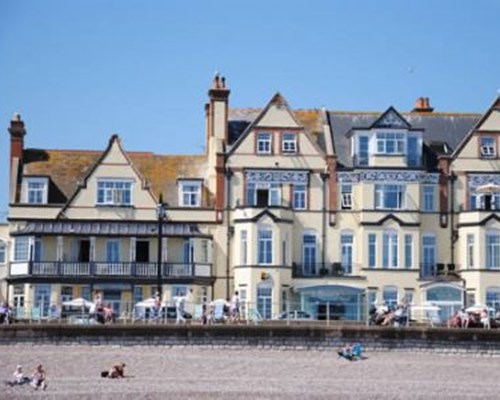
(217, 114)
(423, 105)
(17, 132)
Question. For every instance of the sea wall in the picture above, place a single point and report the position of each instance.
(423, 339)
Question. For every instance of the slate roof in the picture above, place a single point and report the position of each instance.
(240, 118)
(442, 132)
(68, 168)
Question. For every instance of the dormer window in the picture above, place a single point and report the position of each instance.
(36, 190)
(263, 143)
(488, 147)
(289, 143)
(114, 192)
(390, 143)
(190, 194)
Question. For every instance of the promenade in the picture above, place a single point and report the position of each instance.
(185, 372)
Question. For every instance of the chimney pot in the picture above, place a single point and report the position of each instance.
(423, 105)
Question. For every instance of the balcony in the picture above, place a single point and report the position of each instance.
(114, 269)
(314, 270)
(429, 271)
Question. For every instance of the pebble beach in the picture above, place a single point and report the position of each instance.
(162, 372)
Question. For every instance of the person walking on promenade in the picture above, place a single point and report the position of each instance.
(234, 307)
(179, 309)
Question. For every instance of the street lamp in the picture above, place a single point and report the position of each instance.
(161, 213)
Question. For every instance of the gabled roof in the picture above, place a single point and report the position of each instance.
(68, 168)
(240, 120)
(447, 128)
(494, 107)
(391, 119)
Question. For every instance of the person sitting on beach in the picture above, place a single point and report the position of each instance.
(18, 377)
(117, 371)
(38, 378)
(346, 352)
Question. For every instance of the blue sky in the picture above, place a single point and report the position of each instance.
(81, 70)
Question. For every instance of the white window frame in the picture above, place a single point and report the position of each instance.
(365, 159)
(347, 252)
(289, 143)
(38, 187)
(390, 296)
(470, 239)
(492, 250)
(309, 248)
(384, 140)
(265, 246)
(346, 197)
(244, 247)
(3, 252)
(429, 198)
(390, 249)
(372, 250)
(408, 243)
(487, 150)
(113, 192)
(264, 143)
(22, 249)
(190, 194)
(299, 197)
(274, 193)
(382, 190)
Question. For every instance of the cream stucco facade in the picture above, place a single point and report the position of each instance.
(320, 210)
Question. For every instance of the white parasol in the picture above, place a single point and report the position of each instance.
(488, 188)
(78, 302)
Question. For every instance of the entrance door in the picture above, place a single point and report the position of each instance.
(114, 298)
(429, 256)
(41, 304)
(142, 251)
(84, 250)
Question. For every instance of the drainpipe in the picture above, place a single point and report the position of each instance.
(453, 236)
(228, 230)
(324, 177)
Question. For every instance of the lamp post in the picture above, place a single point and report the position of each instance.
(161, 213)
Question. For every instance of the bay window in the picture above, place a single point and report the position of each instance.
(390, 143)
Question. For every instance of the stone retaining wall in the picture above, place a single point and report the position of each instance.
(454, 341)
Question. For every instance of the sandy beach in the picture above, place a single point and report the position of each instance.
(206, 373)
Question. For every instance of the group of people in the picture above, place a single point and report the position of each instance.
(464, 319)
(385, 315)
(38, 379)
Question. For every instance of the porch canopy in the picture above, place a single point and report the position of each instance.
(106, 228)
(341, 301)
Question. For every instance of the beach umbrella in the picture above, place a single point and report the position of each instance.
(78, 302)
(488, 188)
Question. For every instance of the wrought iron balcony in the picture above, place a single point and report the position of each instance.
(313, 270)
(110, 269)
(433, 270)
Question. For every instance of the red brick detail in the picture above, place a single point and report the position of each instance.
(444, 168)
(332, 183)
(220, 182)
